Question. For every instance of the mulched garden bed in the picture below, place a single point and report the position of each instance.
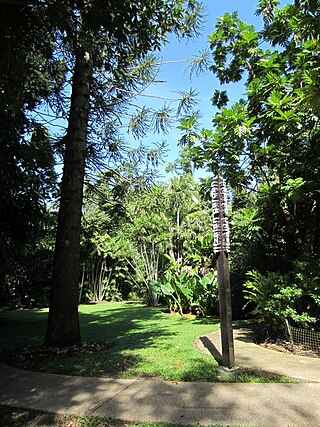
(41, 352)
(286, 347)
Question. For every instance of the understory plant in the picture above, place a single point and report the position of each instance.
(183, 290)
(276, 298)
(27, 281)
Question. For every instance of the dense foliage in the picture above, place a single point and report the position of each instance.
(267, 146)
(97, 48)
(29, 74)
(149, 242)
(154, 240)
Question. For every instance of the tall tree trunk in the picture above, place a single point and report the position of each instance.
(63, 324)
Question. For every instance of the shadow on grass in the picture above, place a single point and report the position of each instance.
(27, 327)
(208, 320)
(21, 328)
(169, 401)
(130, 329)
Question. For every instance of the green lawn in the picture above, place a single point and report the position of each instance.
(145, 342)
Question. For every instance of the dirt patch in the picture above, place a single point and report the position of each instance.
(284, 346)
(41, 352)
(20, 417)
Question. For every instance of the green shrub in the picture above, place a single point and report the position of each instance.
(188, 292)
(27, 282)
(275, 298)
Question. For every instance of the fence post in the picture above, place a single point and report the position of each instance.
(290, 334)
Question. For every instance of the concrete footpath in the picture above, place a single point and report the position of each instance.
(251, 355)
(176, 402)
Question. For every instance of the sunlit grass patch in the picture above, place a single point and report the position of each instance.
(139, 341)
(144, 342)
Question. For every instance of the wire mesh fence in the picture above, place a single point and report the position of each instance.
(303, 341)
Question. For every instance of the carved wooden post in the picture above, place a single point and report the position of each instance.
(221, 248)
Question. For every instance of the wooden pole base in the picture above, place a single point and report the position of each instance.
(227, 343)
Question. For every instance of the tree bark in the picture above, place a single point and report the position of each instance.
(63, 323)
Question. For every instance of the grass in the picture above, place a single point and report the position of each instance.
(18, 417)
(144, 342)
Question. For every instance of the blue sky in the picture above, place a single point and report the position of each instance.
(176, 78)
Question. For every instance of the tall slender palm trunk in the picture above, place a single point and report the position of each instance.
(63, 323)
